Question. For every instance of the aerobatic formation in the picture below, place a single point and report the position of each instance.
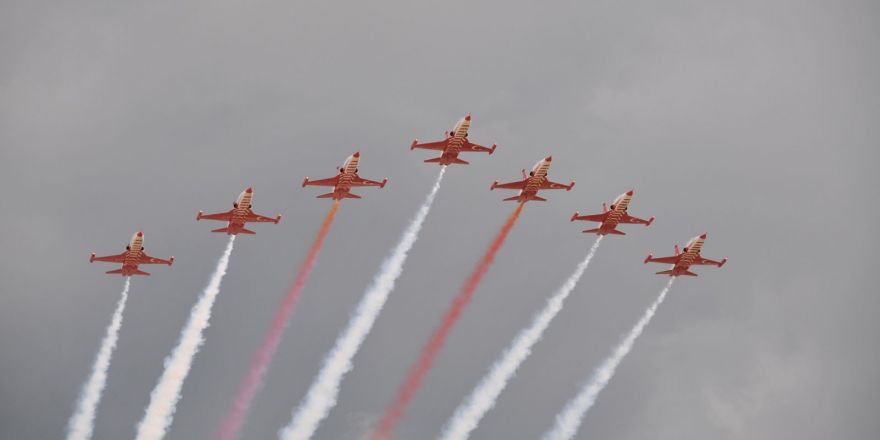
(322, 395)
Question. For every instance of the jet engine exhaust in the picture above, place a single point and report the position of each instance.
(468, 415)
(395, 411)
(163, 400)
(253, 380)
(82, 422)
(569, 419)
(324, 391)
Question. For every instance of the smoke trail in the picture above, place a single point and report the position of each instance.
(569, 420)
(417, 372)
(324, 391)
(263, 357)
(82, 422)
(484, 396)
(166, 394)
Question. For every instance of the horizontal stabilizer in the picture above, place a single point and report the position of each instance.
(459, 161)
(670, 272)
(246, 231)
(616, 232)
(591, 231)
(511, 198)
(538, 199)
(221, 230)
(434, 160)
(135, 272)
(326, 196)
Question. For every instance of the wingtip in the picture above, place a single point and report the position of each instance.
(575, 215)
(650, 220)
(467, 117)
(357, 154)
(305, 182)
(494, 185)
(171, 260)
(412, 146)
(630, 192)
(648, 258)
(494, 146)
(199, 215)
(92, 258)
(384, 181)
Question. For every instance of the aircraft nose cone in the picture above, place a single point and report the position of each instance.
(140, 233)
(357, 154)
(467, 117)
(630, 192)
(703, 236)
(549, 158)
(249, 190)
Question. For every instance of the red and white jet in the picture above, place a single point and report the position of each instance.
(609, 219)
(133, 256)
(454, 142)
(239, 215)
(345, 180)
(534, 182)
(682, 261)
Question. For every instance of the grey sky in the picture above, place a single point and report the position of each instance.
(754, 121)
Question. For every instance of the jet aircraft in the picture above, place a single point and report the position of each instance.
(133, 256)
(240, 214)
(682, 261)
(535, 181)
(609, 219)
(454, 142)
(345, 180)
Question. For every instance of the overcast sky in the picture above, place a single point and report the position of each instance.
(755, 121)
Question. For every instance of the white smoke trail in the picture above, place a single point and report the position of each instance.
(324, 391)
(164, 398)
(82, 422)
(483, 397)
(569, 420)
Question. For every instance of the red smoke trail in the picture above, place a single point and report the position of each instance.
(260, 363)
(417, 372)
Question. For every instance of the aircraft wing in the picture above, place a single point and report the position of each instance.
(330, 181)
(225, 216)
(555, 185)
(251, 217)
(665, 260)
(111, 258)
(146, 259)
(591, 218)
(708, 262)
(476, 148)
(519, 184)
(634, 220)
(359, 181)
(439, 145)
